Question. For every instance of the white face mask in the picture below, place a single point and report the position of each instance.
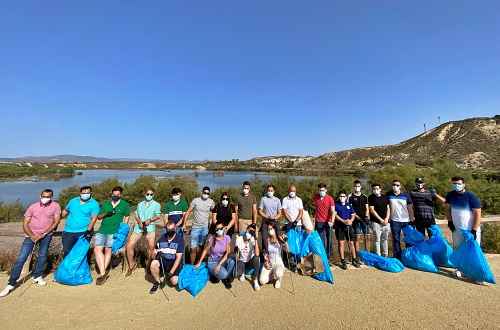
(292, 194)
(270, 193)
(357, 189)
(271, 232)
(45, 200)
(248, 236)
(342, 199)
(246, 191)
(395, 188)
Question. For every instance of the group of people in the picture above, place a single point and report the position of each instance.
(213, 226)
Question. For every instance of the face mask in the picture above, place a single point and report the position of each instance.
(376, 191)
(395, 188)
(342, 199)
(292, 194)
(85, 197)
(176, 198)
(224, 203)
(115, 198)
(219, 232)
(458, 187)
(271, 232)
(170, 232)
(246, 191)
(149, 197)
(322, 193)
(248, 236)
(357, 189)
(270, 193)
(45, 200)
(420, 185)
(205, 196)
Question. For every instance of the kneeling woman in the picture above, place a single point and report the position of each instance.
(248, 256)
(273, 264)
(220, 264)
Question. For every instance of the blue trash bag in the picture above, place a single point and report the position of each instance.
(470, 260)
(120, 237)
(419, 255)
(313, 243)
(74, 269)
(392, 265)
(412, 236)
(441, 250)
(193, 280)
(293, 241)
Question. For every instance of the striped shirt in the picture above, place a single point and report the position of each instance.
(423, 206)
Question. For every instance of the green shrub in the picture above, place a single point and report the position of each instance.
(11, 212)
(490, 238)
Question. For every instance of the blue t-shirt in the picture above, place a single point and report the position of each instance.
(344, 212)
(170, 250)
(80, 214)
(461, 208)
(399, 206)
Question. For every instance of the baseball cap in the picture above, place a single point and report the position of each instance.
(419, 180)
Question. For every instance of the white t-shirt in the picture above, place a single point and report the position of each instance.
(274, 250)
(293, 206)
(246, 249)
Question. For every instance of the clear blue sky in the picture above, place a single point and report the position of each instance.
(239, 79)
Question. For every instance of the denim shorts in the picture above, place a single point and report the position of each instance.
(198, 237)
(360, 227)
(105, 240)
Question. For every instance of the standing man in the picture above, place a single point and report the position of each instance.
(174, 211)
(202, 213)
(40, 221)
(147, 212)
(344, 218)
(292, 210)
(83, 211)
(325, 214)
(245, 208)
(361, 224)
(112, 213)
(269, 210)
(378, 205)
(423, 206)
(401, 207)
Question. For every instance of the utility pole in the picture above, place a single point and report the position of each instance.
(425, 129)
(439, 118)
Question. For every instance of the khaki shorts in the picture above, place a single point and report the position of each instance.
(243, 224)
(135, 237)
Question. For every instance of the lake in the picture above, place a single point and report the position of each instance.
(28, 192)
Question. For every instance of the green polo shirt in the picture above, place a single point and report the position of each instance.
(109, 225)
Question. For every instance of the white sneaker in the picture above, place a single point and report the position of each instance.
(241, 278)
(256, 285)
(479, 282)
(39, 280)
(277, 284)
(6, 291)
(457, 273)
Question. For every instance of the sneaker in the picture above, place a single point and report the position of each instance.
(213, 279)
(355, 263)
(343, 265)
(457, 273)
(293, 268)
(277, 284)
(241, 278)
(7, 290)
(256, 285)
(479, 282)
(227, 283)
(39, 280)
(155, 288)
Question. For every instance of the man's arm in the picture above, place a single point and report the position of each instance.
(126, 219)
(278, 214)
(333, 215)
(64, 214)
(286, 215)
(185, 216)
(93, 219)
(254, 214)
(177, 262)
(367, 213)
(447, 211)
(374, 213)
(55, 223)
(28, 231)
(410, 212)
(262, 214)
(439, 198)
(299, 216)
(477, 218)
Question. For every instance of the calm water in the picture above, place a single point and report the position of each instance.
(28, 192)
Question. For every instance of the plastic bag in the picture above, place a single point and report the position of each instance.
(441, 250)
(293, 241)
(313, 243)
(74, 269)
(470, 260)
(419, 255)
(392, 265)
(120, 237)
(193, 280)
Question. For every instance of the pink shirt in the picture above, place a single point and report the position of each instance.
(42, 216)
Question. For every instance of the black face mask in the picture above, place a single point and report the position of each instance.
(171, 232)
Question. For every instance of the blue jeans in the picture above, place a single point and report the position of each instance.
(69, 240)
(292, 263)
(325, 232)
(396, 228)
(225, 270)
(26, 248)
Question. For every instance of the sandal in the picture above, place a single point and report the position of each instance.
(129, 272)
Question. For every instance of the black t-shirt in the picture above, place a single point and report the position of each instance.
(379, 205)
(225, 214)
(359, 204)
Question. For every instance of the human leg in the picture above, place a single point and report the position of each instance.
(43, 247)
(396, 238)
(265, 275)
(384, 238)
(377, 231)
(320, 228)
(68, 241)
(99, 259)
(25, 251)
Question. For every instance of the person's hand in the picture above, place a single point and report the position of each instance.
(183, 227)
(366, 220)
(147, 222)
(216, 269)
(141, 224)
(452, 226)
(330, 224)
(284, 238)
(110, 213)
(433, 191)
(225, 230)
(168, 276)
(196, 266)
(474, 233)
(159, 254)
(88, 235)
(412, 223)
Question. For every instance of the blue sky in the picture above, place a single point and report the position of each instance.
(239, 79)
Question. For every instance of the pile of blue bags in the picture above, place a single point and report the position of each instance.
(74, 269)
(193, 280)
(441, 250)
(392, 265)
(120, 237)
(419, 255)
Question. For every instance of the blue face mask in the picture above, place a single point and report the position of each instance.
(115, 198)
(322, 193)
(149, 197)
(85, 197)
(205, 196)
(176, 198)
(224, 203)
(219, 232)
(458, 187)
(376, 192)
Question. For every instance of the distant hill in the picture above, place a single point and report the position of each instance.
(471, 143)
(86, 159)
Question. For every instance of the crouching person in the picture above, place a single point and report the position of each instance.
(273, 264)
(220, 264)
(169, 249)
(248, 256)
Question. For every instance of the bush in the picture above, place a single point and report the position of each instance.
(11, 212)
(490, 238)
(7, 261)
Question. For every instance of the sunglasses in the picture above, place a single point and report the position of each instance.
(149, 194)
(396, 185)
(206, 192)
(225, 198)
